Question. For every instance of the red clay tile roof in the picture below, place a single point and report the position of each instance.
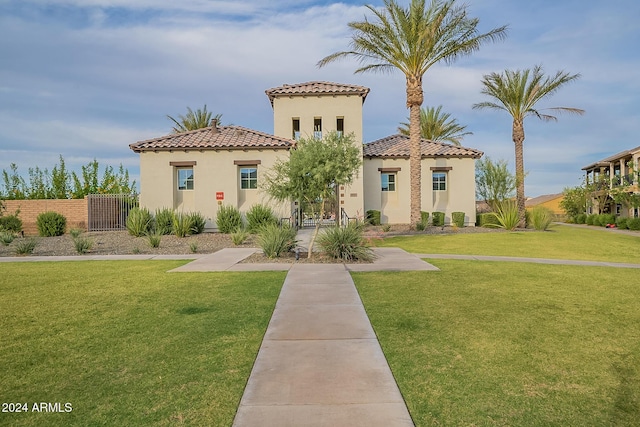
(397, 146)
(226, 137)
(317, 88)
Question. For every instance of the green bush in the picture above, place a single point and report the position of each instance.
(6, 237)
(373, 217)
(75, 233)
(633, 224)
(258, 216)
(386, 228)
(51, 224)
(605, 219)
(239, 236)
(486, 219)
(541, 218)
(507, 215)
(345, 243)
(438, 219)
(275, 240)
(182, 225)
(139, 222)
(11, 223)
(197, 222)
(581, 219)
(228, 219)
(591, 219)
(420, 226)
(82, 244)
(621, 223)
(26, 246)
(155, 239)
(458, 218)
(164, 221)
(424, 218)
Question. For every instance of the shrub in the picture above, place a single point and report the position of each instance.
(139, 222)
(420, 226)
(621, 222)
(275, 240)
(164, 221)
(591, 219)
(605, 219)
(83, 244)
(345, 243)
(51, 224)
(6, 237)
(633, 224)
(193, 247)
(258, 216)
(424, 218)
(386, 227)
(541, 218)
(486, 219)
(239, 236)
(26, 246)
(11, 223)
(373, 217)
(458, 218)
(438, 219)
(581, 218)
(197, 222)
(228, 219)
(182, 225)
(154, 239)
(507, 215)
(75, 233)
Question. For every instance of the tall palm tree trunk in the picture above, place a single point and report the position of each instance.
(518, 140)
(415, 97)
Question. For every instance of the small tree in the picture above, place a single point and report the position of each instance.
(494, 182)
(574, 200)
(312, 172)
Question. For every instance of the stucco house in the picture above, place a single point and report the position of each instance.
(203, 169)
(619, 171)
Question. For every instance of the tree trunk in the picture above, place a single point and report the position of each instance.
(317, 229)
(415, 97)
(518, 140)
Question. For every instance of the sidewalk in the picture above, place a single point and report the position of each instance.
(320, 363)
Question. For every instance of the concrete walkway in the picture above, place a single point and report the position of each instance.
(530, 260)
(320, 363)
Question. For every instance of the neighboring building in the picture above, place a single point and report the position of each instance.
(200, 170)
(619, 171)
(549, 201)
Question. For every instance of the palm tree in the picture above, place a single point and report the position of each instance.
(517, 93)
(194, 120)
(412, 40)
(437, 126)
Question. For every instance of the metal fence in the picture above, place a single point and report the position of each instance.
(108, 212)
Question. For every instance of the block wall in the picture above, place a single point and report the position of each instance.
(75, 210)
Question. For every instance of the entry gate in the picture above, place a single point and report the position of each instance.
(109, 212)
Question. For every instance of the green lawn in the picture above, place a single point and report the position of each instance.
(560, 242)
(510, 344)
(127, 343)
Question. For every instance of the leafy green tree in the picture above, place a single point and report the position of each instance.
(60, 188)
(412, 40)
(437, 126)
(313, 171)
(574, 200)
(15, 187)
(494, 182)
(194, 120)
(518, 92)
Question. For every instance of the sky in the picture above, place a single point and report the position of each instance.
(86, 78)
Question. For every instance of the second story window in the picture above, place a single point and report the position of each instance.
(439, 181)
(340, 125)
(249, 178)
(317, 127)
(296, 128)
(185, 178)
(388, 181)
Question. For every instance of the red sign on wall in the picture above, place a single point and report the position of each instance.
(219, 195)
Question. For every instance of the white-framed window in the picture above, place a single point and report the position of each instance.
(317, 127)
(295, 124)
(185, 178)
(439, 181)
(340, 125)
(388, 181)
(249, 178)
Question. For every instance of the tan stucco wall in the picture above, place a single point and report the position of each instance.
(214, 172)
(395, 208)
(329, 108)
